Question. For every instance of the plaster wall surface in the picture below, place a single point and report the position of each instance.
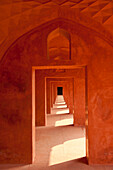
(22, 16)
(90, 48)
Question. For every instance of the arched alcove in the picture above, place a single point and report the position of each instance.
(59, 45)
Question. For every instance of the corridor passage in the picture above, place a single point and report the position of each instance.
(59, 119)
(62, 147)
(59, 141)
(59, 148)
(60, 106)
(57, 145)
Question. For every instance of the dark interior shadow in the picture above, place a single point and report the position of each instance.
(82, 160)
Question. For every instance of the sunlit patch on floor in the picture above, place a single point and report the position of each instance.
(59, 120)
(69, 150)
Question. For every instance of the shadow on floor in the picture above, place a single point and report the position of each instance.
(55, 145)
(14, 166)
(79, 164)
(59, 119)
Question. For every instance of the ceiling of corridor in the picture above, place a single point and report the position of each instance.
(21, 14)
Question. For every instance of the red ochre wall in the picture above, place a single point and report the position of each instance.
(88, 48)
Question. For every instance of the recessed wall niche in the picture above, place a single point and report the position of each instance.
(59, 45)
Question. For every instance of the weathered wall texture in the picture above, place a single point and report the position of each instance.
(20, 16)
(88, 48)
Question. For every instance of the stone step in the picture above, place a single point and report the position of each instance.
(59, 110)
(60, 102)
(59, 105)
(59, 98)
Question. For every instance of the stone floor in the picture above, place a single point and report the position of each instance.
(59, 147)
(56, 145)
(59, 119)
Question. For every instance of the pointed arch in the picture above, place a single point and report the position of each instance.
(59, 45)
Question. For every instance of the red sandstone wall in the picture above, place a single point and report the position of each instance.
(40, 100)
(79, 100)
(87, 48)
